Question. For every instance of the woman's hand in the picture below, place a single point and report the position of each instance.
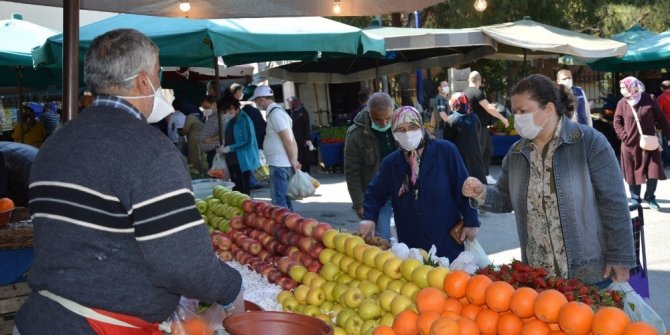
(617, 273)
(469, 233)
(366, 228)
(472, 187)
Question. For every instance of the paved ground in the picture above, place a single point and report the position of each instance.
(498, 233)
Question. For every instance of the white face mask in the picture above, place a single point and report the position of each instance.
(208, 112)
(524, 125)
(161, 107)
(567, 83)
(445, 89)
(625, 93)
(409, 140)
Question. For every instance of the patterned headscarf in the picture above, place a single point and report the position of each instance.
(635, 87)
(459, 103)
(408, 114)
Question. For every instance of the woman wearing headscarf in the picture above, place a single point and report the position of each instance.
(560, 181)
(639, 166)
(423, 179)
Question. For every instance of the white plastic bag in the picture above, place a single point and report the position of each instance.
(482, 259)
(401, 250)
(219, 168)
(466, 261)
(263, 171)
(636, 308)
(300, 186)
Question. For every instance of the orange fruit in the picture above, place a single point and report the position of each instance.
(430, 299)
(450, 314)
(383, 330)
(6, 204)
(444, 326)
(557, 332)
(470, 311)
(521, 303)
(498, 296)
(509, 324)
(639, 328)
(452, 305)
(609, 321)
(476, 289)
(455, 283)
(405, 323)
(467, 327)
(487, 321)
(425, 321)
(548, 304)
(535, 327)
(575, 318)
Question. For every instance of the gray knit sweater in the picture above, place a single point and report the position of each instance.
(115, 226)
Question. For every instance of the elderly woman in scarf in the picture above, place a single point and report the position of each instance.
(639, 166)
(423, 179)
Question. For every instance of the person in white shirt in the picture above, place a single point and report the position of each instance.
(279, 146)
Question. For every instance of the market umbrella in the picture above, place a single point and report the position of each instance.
(244, 8)
(634, 34)
(192, 42)
(527, 39)
(406, 49)
(647, 54)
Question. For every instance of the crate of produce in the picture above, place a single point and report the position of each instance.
(11, 299)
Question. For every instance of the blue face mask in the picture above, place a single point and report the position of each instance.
(376, 127)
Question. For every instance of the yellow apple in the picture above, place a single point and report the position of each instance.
(290, 304)
(307, 278)
(283, 295)
(328, 289)
(325, 318)
(409, 290)
(339, 331)
(345, 262)
(407, 267)
(370, 289)
(385, 299)
(362, 271)
(297, 273)
(387, 319)
(383, 281)
(381, 258)
(436, 277)
(392, 267)
(311, 310)
(300, 293)
(374, 274)
(369, 255)
(396, 285)
(354, 283)
(326, 255)
(337, 257)
(344, 278)
(350, 243)
(327, 306)
(344, 315)
(369, 309)
(339, 241)
(329, 271)
(351, 269)
(317, 282)
(359, 250)
(329, 238)
(353, 325)
(400, 303)
(352, 297)
(369, 326)
(420, 275)
(338, 290)
(316, 296)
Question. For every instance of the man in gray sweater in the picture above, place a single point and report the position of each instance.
(117, 237)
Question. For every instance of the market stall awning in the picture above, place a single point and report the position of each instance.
(527, 39)
(647, 54)
(634, 34)
(190, 42)
(207, 9)
(406, 49)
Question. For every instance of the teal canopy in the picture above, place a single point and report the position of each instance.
(647, 54)
(190, 42)
(634, 34)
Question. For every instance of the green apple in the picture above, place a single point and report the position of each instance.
(290, 304)
(436, 277)
(329, 271)
(392, 267)
(325, 318)
(283, 295)
(344, 278)
(420, 275)
(408, 266)
(352, 297)
(344, 315)
(327, 288)
(297, 273)
(329, 238)
(338, 290)
(385, 299)
(339, 331)
(317, 282)
(300, 293)
(370, 289)
(369, 325)
(326, 307)
(400, 303)
(369, 309)
(201, 205)
(396, 285)
(310, 310)
(316, 296)
(383, 281)
(381, 258)
(326, 255)
(307, 278)
(353, 325)
(409, 290)
(336, 308)
(387, 319)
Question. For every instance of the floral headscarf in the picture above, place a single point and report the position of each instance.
(635, 87)
(408, 114)
(459, 103)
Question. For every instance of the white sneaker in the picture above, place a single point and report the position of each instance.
(490, 180)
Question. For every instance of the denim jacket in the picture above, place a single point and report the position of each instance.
(591, 197)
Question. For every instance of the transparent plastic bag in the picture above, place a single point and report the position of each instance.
(300, 186)
(482, 259)
(186, 321)
(636, 308)
(214, 316)
(219, 168)
(263, 172)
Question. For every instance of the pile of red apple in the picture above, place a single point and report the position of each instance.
(271, 240)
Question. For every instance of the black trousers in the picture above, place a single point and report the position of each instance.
(241, 179)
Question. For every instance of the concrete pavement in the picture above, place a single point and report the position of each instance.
(498, 233)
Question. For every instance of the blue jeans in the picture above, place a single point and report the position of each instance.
(383, 227)
(649, 193)
(279, 177)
